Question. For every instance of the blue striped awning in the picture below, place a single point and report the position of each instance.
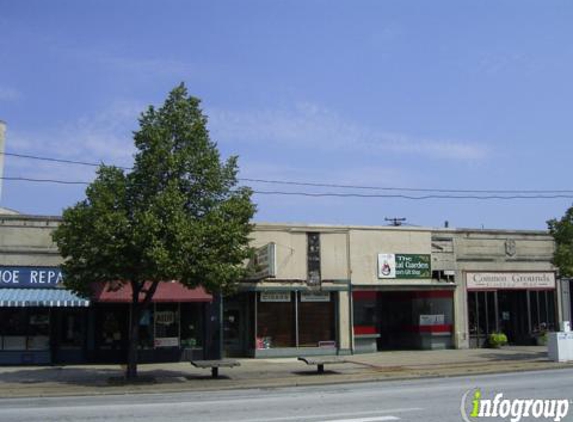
(40, 297)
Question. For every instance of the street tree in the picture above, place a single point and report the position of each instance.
(178, 214)
(562, 232)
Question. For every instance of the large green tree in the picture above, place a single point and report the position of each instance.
(562, 232)
(178, 214)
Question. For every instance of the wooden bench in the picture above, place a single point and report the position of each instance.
(320, 361)
(215, 365)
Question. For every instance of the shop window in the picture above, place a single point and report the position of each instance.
(146, 329)
(276, 321)
(365, 315)
(112, 326)
(316, 320)
(166, 325)
(542, 311)
(25, 329)
(191, 329)
(71, 330)
(433, 309)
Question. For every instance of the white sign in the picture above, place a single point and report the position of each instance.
(510, 280)
(386, 265)
(167, 342)
(275, 296)
(264, 263)
(432, 319)
(165, 318)
(315, 296)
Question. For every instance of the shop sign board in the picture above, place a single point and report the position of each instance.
(315, 296)
(432, 319)
(404, 266)
(275, 296)
(510, 280)
(165, 317)
(264, 263)
(166, 342)
(30, 276)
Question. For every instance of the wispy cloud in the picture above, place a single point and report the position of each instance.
(9, 94)
(309, 126)
(103, 137)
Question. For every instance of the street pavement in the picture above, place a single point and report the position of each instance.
(428, 400)
(43, 381)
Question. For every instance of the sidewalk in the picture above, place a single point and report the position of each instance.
(270, 373)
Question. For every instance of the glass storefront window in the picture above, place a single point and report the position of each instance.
(191, 328)
(276, 323)
(316, 321)
(24, 329)
(166, 317)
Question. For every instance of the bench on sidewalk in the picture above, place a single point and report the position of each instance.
(320, 361)
(215, 365)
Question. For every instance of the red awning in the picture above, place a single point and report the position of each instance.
(166, 292)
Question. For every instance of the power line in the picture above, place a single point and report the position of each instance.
(320, 185)
(330, 185)
(54, 160)
(334, 194)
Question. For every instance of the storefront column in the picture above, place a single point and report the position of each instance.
(344, 325)
(296, 333)
(461, 333)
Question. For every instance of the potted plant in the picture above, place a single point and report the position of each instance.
(497, 340)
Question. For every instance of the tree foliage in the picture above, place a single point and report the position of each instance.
(562, 232)
(178, 214)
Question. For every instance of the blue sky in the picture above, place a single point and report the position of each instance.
(418, 94)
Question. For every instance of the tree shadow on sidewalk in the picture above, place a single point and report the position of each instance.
(90, 377)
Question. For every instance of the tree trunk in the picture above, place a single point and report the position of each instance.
(133, 338)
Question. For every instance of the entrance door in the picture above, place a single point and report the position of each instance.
(70, 336)
(513, 315)
(233, 330)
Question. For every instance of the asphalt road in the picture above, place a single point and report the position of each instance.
(427, 400)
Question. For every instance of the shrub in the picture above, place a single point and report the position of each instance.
(496, 340)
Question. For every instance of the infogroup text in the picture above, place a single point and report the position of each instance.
(513, 409)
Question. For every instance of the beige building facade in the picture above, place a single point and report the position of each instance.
(324, 289)
(436, 298)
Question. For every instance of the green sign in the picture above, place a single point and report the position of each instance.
(404, 266)
(413, 266)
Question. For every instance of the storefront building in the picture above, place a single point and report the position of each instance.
(43, 323)
(297, 301)
(314, 289)
(508, 285)
(399, 301)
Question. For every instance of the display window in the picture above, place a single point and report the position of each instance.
(25, 329)
(295, 319)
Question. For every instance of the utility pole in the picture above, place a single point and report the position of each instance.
(396, 222)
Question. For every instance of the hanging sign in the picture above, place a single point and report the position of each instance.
(264, 263)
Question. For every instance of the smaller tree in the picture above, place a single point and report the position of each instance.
(562, 232)
(177, 215)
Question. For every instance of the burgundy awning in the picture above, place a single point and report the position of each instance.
(166, 292)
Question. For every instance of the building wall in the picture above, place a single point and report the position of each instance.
(291, 249)
(27, 241)
(367, 243)
(493, 251)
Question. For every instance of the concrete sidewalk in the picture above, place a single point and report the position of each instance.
(269, 373)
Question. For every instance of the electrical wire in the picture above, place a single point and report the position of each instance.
(314, 184)
(335, 194)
